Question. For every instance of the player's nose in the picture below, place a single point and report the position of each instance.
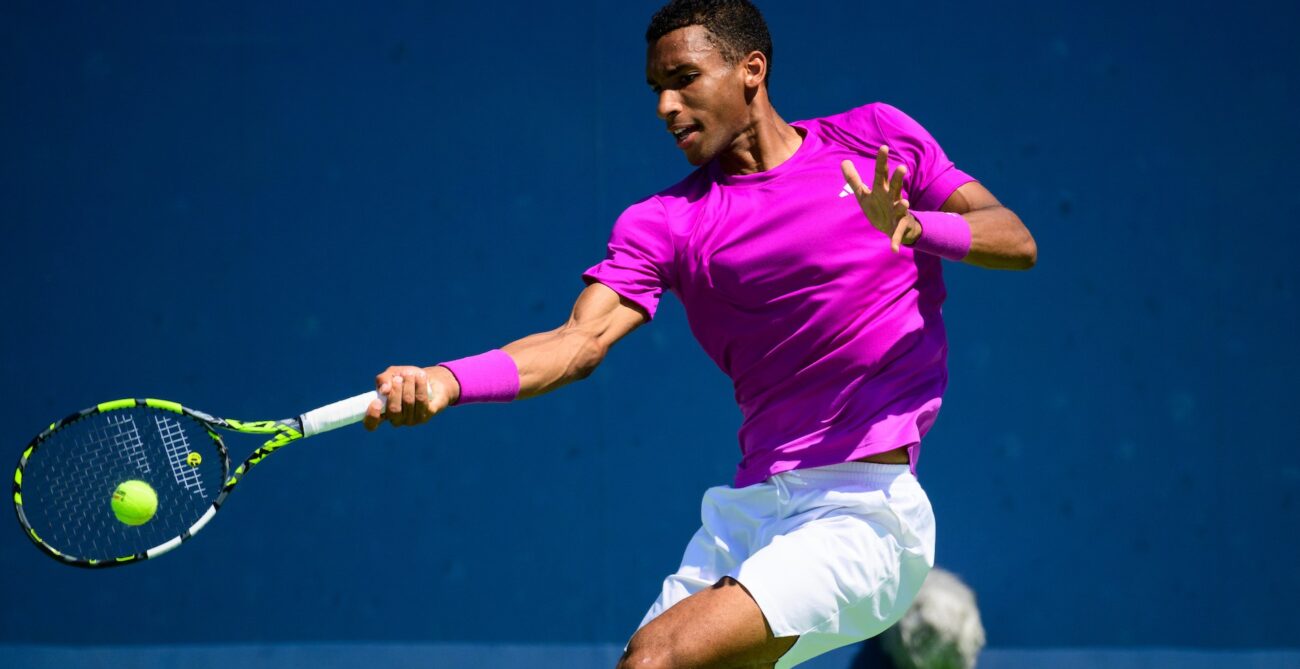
(670, 104)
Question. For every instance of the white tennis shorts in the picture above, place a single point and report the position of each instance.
(833, 554)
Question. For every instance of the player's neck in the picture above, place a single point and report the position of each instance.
(767, 142)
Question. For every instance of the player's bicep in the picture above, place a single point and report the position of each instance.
(604, 314)
(968, 197)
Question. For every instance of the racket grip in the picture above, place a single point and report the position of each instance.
(339, 414)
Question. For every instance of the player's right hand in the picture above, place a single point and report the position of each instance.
(415, 395)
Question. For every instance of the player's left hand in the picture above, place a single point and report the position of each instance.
(883, 203)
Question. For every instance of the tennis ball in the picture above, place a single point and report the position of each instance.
(134, 502)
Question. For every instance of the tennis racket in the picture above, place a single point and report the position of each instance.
(68, 475)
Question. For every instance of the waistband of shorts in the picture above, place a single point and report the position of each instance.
(849, 471)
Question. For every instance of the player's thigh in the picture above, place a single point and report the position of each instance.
(720, 627)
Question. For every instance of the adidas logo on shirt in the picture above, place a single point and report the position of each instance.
(847, 191)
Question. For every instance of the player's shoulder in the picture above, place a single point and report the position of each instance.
(863, 128)
(676, 198)
(864, 114)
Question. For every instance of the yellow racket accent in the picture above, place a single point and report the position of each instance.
(116, 404)
(164, 405)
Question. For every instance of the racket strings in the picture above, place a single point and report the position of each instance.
(70, 478)
(179, 452)
(121, 432)
(109, 445)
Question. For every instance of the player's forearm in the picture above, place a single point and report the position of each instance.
(545, 361)
(999, 240)
(549, 360)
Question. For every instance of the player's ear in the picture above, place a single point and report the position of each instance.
(755, 69)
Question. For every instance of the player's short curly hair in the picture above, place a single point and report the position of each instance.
(736, 25)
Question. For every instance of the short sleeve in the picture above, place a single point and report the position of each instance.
(639, 256)
(931, 178)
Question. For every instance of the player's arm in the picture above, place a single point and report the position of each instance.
(998, 238)
(545, 361)
(572, 351)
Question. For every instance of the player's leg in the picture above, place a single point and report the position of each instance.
(719, 627)
(703, 618)
(854, 548)
(826, 556)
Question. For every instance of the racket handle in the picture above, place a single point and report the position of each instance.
(339, 414)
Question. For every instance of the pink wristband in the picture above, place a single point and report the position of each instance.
(943, 234)
(487, 377)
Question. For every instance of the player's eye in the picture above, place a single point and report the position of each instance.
(681, 81)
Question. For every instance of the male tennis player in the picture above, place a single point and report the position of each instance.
(820, 297)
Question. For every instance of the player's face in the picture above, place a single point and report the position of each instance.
(702, 97)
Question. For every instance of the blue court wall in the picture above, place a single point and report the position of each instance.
(252, 208)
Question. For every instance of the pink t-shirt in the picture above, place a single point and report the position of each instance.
(835, 345)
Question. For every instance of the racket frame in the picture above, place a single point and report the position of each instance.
(282, 432)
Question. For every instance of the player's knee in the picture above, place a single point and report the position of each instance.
(644, 654)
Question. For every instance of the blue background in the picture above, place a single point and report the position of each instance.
(252, 208)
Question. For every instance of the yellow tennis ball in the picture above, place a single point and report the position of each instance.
(134, 502)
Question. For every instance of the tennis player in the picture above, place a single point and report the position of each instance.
(819, 294)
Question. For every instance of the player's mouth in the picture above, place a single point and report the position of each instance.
(685, 134)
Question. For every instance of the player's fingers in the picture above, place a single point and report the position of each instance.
(382, 379)
(852, 179)
(410, 405)
(408, 397)
(882, 167)
(394, 412)
(896, 182)
(423, 396)
(374, 414)
(897, 238)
